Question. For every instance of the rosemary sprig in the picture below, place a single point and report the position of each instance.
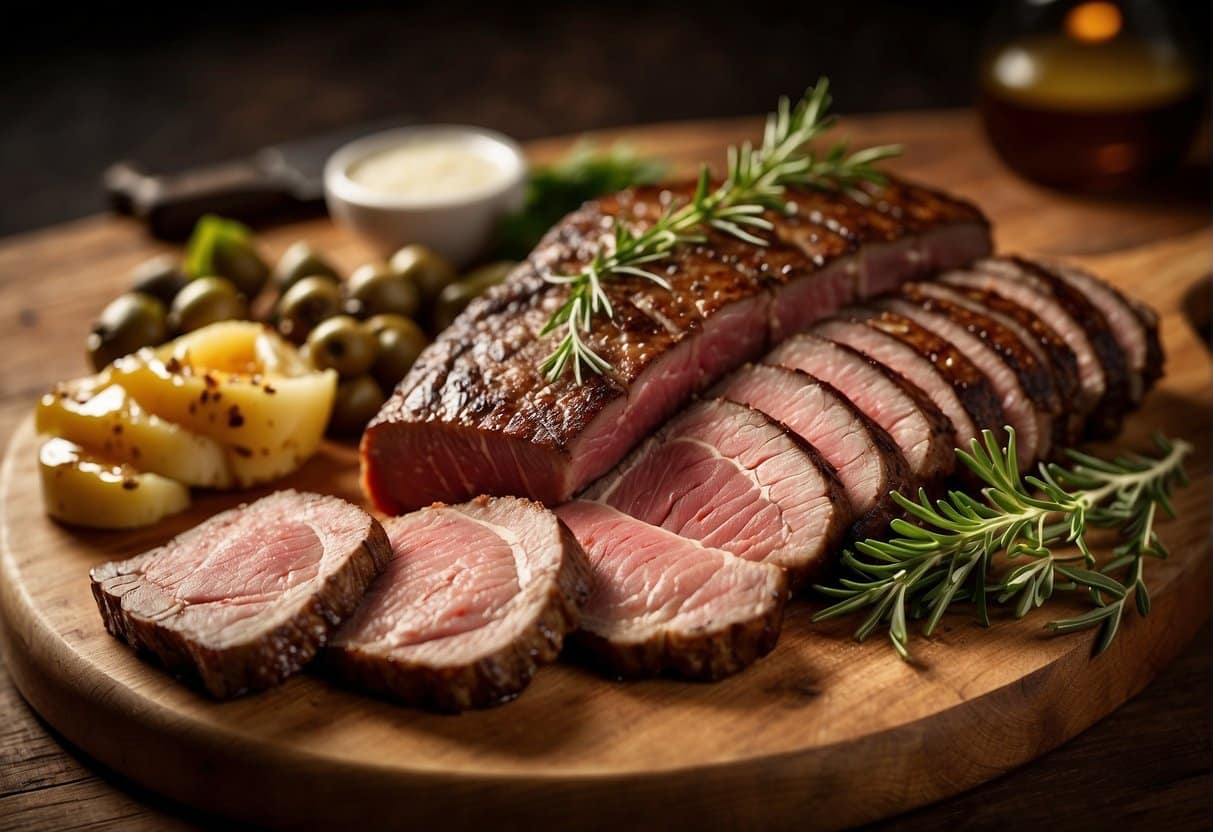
(945, 557)
(757, 181)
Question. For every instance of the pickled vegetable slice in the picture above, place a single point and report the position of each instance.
(102, 417)
(84, 490)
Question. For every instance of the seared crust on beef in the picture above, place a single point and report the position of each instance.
(1034, 376)
(1062, 361)
(264, 658)
(1109, 413)
(971, 385)
(703, 656)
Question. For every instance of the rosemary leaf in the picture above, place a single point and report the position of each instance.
(757, 181)
(946, 557)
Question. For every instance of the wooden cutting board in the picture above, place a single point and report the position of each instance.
(822, 733)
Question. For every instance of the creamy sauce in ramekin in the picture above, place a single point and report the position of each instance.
(431, 168)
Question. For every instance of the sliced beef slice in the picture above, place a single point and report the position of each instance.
(1030, 296)
(1102, 367)
(1133, 325)
(973, 387)
(960, 390)
(247, 598)
(665, 604)
(728, 476)
(476, 597)
(1156, 357)
(1024, 385)
(1116, 400)
(1050, 348)
(867, 460)
(923, 434)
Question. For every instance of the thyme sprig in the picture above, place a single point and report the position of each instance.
(757, 181)
(946, 555)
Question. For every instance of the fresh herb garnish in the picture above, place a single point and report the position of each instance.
(946, 556)
(556, 190)
(757, 181)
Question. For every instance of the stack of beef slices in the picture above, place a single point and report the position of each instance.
(789, 457)
(763, 408)
(449, 608)
(694, 538)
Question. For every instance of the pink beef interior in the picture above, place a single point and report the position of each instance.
(820, 417)
(449, 575)
(903, 359)
(801, 302)
(1015, 286)
(233, 578)
(251, 569)
(944, 247)
(1015, 402)
(727, 476)
(730, 337)
(648, 579)
(461, 581)
(869, 389)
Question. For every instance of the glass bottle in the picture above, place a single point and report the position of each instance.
(1090, 94)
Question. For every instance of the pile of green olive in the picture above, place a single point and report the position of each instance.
(162, 302)
(369, 328)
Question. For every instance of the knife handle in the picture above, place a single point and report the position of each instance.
(170, 205)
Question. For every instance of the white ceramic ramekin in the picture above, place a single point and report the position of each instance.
(458, 228)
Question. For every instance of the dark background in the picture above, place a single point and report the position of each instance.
(174, 87)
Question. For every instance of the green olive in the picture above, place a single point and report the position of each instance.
(300, 261)
(128, 323)
(206, 300)
(239, 262)
(357, 402)
(306, 304)
(452, 300)
(373, 289)
(342, 344)
(377, 323)
(429, 271)
(161, 277)
(400, 342)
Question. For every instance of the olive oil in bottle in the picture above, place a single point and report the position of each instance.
(1080, 100)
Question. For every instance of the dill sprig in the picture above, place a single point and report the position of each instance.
(757, 181)
(946, 555)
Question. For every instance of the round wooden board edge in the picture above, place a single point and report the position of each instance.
(242, 777)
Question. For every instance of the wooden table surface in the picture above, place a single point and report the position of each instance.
(1150, 764)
